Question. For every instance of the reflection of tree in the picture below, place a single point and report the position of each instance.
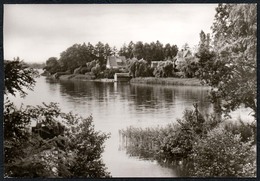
(145, 96)
(87, 90)
(163, 96)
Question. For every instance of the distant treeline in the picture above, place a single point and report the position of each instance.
(36, 65)
(79, 54)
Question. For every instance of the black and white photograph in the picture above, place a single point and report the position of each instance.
(130, 90)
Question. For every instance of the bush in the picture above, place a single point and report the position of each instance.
(205, 145)
(71, 152)
(247, 131)
(96, 71)
(164, 69)
(222, 153)
(83, 70)
(139, 68)
(189, 67)
(170, 144)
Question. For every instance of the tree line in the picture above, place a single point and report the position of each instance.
(80, 54)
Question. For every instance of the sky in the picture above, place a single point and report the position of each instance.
(36, 32)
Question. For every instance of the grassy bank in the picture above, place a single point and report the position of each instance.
(83, 77)
(75, 77)
(166, 81)
(139, 80)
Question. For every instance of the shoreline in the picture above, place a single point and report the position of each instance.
(80, 77)
(167, 81)
(139, 80)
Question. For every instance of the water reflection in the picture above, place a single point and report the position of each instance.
(117, 106)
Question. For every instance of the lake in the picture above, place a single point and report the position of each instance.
(116, 106)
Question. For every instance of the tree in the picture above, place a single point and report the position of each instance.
(91, 64)
(189, 67)
(164, 69)
(124, 51)
(147, 54)
(174, 50)
(130, 49)
(91, 50)
(206, 56)
(138, 50)
(75, 56)
(18, 76)
(52, 65)
(159, 51)
(96, 70)
(233, 76)
(114, 51)
(107, 51)
(100, 53)
(167, 51)
(170, 51)
(139, 68)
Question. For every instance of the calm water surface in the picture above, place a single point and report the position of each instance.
(116, 106)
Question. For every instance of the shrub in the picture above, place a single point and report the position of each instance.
(164, 69)
(246, 130)
(71, 152)
(222, 153)
(189, 67)
(139, 68)
(205, 145)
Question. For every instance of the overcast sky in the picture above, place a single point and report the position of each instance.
(37, 32)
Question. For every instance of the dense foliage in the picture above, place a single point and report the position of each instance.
(139, 68)
(52, 65)
(154, 51)
(59, 145)
(165, 69)
(81, 55)
(199, 145)
(189, 67)
(230, 67)
(223, 153)
(18, 76)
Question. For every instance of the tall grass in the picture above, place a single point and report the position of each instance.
(166, 81)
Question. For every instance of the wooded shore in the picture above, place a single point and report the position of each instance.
(139, 80)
